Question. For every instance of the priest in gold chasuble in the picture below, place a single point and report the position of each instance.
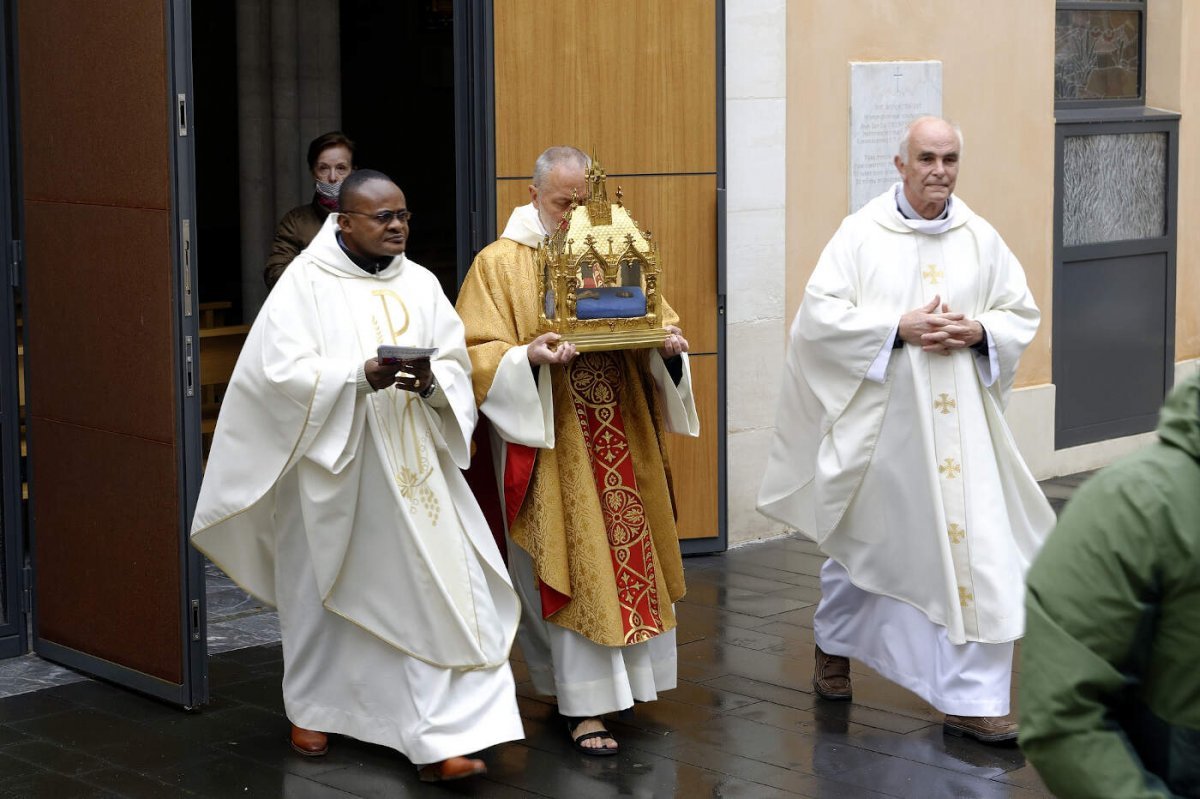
(577, 445)
(892, 451)
(334, 492)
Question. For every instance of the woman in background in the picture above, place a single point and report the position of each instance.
(330, 160)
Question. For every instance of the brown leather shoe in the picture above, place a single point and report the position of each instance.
(831, 676)
(452, 768)
(985, 729)
(309, 743)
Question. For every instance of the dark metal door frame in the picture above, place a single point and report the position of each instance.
(474, 129)
(187, 344)
(13, 605)
(1090, 122)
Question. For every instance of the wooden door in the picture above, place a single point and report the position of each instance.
(117, 590)
(635, 83)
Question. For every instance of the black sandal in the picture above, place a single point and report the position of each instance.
(593, 751)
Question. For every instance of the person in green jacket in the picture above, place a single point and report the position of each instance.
(1110, 665)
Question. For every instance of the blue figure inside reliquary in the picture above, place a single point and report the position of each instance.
(600, 276)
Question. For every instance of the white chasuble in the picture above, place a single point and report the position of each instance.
(913, 483)
(390, 565)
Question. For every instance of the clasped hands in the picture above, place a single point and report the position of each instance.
(545, 349)
(940, 332)
(415, 375)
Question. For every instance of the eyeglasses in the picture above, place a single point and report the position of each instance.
(403, 216)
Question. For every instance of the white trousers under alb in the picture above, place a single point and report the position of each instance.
(588, 679)
(901, 643)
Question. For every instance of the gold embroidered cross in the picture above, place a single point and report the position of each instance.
(944, 403)
(950, 469)
(956, 533)
(932, 274)
(964, 596)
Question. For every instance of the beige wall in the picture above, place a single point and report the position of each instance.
(998, 84)
(1173, 83)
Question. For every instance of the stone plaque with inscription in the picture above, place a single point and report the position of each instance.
(884, 97)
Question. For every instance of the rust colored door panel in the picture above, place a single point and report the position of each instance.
(114, 579)
(106, 556)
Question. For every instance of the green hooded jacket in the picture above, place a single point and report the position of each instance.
(1110, 664)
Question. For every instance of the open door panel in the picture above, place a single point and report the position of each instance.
(116, 588)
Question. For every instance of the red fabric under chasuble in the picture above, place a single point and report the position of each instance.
(595, 380)
(518, 471)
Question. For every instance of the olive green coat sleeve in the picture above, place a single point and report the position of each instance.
(1107, 674)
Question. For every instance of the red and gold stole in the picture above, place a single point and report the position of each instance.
(595, 383)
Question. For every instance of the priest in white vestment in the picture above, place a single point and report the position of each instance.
(577, 442)
(892, 451)
(333, 491)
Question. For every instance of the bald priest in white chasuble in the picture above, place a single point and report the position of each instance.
(892, 451)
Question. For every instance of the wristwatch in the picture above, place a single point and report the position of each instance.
(429, 390)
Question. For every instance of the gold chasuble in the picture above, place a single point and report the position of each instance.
(597, 516)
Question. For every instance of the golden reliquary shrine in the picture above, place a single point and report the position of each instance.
(600, 276)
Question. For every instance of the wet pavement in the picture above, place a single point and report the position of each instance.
(742, 723)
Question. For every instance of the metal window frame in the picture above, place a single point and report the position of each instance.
(1109, 122)
(1139, 6)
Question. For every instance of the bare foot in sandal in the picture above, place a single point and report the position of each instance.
(591, 737)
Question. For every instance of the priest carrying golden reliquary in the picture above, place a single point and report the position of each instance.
(580, 369)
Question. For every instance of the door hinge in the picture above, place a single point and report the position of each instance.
(181, 113)
(185, 234)
(194, 619)
(14, 265)
(27, 589)
(189, 365)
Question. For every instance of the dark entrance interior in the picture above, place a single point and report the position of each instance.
(398, 99)
(397, 105)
